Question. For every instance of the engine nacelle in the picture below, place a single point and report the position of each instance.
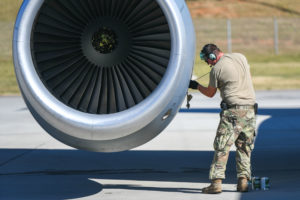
(103, 75)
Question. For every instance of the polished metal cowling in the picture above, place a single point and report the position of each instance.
(103, 75)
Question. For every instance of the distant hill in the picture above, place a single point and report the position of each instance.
(205, 8)
(243, 8)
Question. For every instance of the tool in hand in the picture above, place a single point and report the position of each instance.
(188, 99)
(189, 96)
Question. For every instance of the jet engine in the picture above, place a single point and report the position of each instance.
(103, 75)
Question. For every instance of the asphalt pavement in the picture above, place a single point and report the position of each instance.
(172, 166)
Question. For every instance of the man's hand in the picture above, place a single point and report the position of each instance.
(193, 85)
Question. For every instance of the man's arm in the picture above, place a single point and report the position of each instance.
(207, 91)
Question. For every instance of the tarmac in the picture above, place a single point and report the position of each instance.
(172, 166)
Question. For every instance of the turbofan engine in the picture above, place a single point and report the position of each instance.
(103, 75)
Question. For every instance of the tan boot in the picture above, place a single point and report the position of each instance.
(242, 185)
(214, 188)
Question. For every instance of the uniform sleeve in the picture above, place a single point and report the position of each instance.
(213, 81)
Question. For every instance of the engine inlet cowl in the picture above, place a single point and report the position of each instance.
(103, 75)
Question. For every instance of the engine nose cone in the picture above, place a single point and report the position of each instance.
(104, 40)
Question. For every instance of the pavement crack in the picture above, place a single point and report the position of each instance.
(21, 155)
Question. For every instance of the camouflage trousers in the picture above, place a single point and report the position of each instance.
(236, 126)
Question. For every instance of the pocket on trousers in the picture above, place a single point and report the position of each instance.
(224, 132)
(222, 140)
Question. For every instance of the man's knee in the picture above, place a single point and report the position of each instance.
(244, 148)
(239, 144)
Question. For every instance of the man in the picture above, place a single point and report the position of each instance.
(230, 74)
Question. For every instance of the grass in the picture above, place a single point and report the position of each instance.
(281, 72)
(254, 38)
(8, 83)
(268, 72)
(252, 35)
(9, 9)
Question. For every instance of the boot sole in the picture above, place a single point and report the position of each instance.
(241, 190)
(211, 192)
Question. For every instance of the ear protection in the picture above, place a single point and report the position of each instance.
(211, 56)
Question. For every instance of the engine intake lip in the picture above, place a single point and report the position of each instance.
(92, 126)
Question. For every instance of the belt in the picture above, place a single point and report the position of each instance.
(241, 106)
(225, 106)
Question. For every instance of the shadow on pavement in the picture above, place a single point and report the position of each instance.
(46, 187)
(276, 155)
(68, 174)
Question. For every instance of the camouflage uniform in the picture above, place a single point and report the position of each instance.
(236, 126)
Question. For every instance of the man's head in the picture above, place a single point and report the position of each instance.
(210, 53)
